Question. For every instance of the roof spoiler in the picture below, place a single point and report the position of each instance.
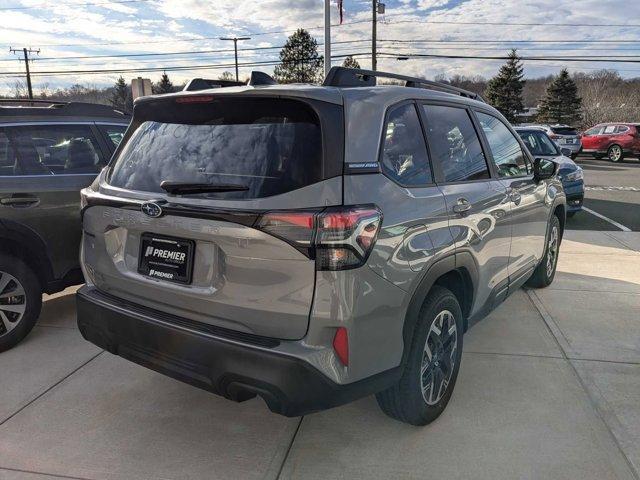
(206, 83)
(27, 106)
(257, 78)
(356, 77)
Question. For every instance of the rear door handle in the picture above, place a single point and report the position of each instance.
(20, 202)
(462, 206)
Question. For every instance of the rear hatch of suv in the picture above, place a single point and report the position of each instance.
(207, 210)
(565, 135)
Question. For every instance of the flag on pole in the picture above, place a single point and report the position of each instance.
(340, 10)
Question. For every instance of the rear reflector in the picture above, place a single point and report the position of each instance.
(341, 345)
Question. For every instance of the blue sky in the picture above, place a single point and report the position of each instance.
(73, 28)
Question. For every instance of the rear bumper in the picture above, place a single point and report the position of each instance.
(574, 147)
(225, 366)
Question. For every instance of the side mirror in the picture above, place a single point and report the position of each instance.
(543, 169)
(566, 152)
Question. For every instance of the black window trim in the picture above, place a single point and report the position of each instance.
(389, 109)
(438, 175)
(525, 151)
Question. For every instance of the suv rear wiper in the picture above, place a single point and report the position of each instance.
(185, 188)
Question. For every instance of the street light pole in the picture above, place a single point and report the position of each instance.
(235, 48)
(327, 37)
(374, 60)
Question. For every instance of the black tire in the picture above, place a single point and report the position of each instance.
(615, 153)
(405, 401)
(11, 270)
(543, 275)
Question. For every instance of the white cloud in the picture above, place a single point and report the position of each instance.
(158, 26)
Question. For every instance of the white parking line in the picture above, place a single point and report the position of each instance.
(607, 219)
(604, 188)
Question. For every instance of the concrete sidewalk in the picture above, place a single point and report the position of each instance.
(549, 387)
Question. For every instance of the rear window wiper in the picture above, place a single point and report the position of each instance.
(185, 188)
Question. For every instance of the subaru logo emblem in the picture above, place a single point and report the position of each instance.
(151, 209)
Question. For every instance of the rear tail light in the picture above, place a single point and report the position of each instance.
(195, 99)
(339, 238)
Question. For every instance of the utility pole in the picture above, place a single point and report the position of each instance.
(374, 24)
(327, 37)
(26, 52)
(235, 48)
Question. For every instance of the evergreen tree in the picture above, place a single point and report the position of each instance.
(350, 62)
(300, 62)
(561, 103)
(164, 85)
(504, 91)
(120, 95)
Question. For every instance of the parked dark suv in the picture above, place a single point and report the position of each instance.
(49, 151)
(314, 244)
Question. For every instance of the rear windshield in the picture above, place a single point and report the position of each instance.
(564, 131)
(270, 146)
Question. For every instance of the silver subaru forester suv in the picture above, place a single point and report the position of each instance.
(314, 244)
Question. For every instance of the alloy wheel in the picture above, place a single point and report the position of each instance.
(552, 251)
(439, 357)
(615, 153)
(13, 302)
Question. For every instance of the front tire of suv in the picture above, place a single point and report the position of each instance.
(544, 273)
(433, 362)
(20, 301)
(615, 153)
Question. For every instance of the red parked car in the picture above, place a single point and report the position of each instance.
(613, 140)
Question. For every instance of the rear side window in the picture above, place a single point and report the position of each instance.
(622, 129)
(51, 150)
(114, 133)
(269, 146)
(505, 149)
(454, 144)
(404, 154)
(610, 129)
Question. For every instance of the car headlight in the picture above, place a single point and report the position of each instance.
(573, 176)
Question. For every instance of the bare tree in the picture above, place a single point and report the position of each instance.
(20, 89)
(606, 97)
(226, 75)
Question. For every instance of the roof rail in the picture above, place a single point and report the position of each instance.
(356, 77)
(207, 83)
(56, 107)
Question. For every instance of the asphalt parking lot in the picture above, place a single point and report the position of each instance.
(549, 387)
(612, 191)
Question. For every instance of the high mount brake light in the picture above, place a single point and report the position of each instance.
(339, 238)
(195, 99)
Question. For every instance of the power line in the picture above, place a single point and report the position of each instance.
(191, 52)
(168, 68)
(635, 59)
(400, 41)
(515, 24)
(87, 4)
